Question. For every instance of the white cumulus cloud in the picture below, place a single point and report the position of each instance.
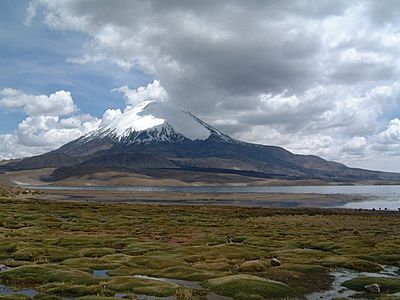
(57, 104)
(47, 125)
(317, 77)
(110, 114)
(153, 91)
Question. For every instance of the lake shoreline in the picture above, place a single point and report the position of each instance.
(244, 200)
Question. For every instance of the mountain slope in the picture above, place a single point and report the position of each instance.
(155, 135)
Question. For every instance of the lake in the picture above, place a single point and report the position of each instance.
(377, 196)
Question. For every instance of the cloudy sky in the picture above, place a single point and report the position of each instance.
(316, 77)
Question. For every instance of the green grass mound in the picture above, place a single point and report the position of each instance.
(72, 290)
(42, 253)
(352, 263)
(322, 246)
(115, 258)
(228, 251)
(154, 262)
(186, 273)
(214, 265)
(142, 286)
(390, 297)
(89, 263)
(245, 287)
(300, 256)
(79, 242)
(253, 266)
(8, 246)
(41, 274)
(134, 247)
(387, 285)
(178, 272)
(386, 259)
(96, 252)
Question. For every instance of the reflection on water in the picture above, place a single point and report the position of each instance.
(5, 290)
(101, 273)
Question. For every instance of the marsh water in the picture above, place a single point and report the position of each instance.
(341, 275)
(5, 290)
(373, 196)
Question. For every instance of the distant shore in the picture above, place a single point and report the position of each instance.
(276, 200)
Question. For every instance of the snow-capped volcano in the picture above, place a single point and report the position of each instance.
(157, 139)
(154, 121)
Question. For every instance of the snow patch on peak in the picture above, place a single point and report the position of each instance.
(130, 121)
(152, 116)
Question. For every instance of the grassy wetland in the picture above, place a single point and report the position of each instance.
(76, 250)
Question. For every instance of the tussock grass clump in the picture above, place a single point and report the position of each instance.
(155, 262)
(222, 264)
(96, 252)
(142, 286)
(72, 290)
(88, 263)
(178, 272)
(41, 274)
(311, 269)
(323, 246)
(253, 266)
(248, 287)
(7, 246)
(351, 263)
(387, 285)
(41, 253)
